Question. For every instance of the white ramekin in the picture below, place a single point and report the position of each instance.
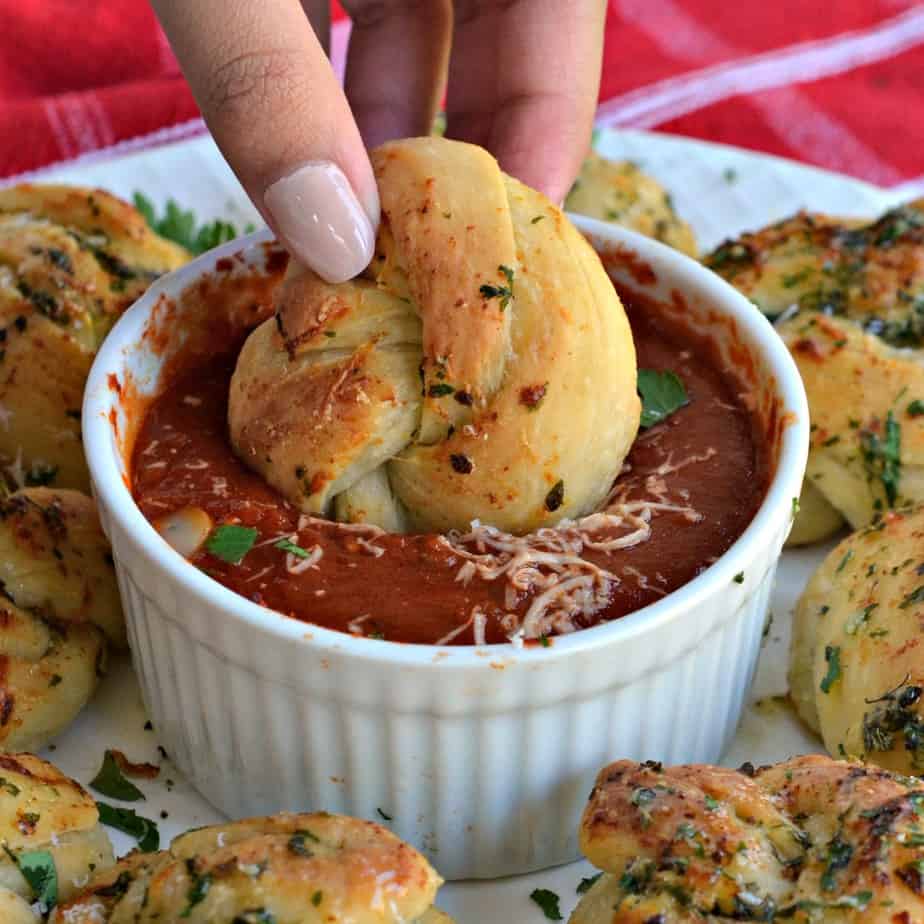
(482, 758)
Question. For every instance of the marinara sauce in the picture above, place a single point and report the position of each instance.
(705, 468)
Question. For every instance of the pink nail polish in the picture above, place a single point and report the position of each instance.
(319, 218)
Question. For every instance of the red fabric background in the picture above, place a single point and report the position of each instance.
(75, 78)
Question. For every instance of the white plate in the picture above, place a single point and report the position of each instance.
(721, 191)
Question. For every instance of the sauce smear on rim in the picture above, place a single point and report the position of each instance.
(688, 490)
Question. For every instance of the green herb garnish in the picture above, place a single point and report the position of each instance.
(662, 394)
(882, 456)
(198, 890)
(286, 545)
(548, 902)
(298, 843)
(587, 883)
(130, 822)
(38, 869)
(916, 408)
(556, 497)
(115, 889)
(41, 475)
(910, 599)
(839, 854)
(231, 543)
(179, 225)
(110, 781)
(440, 390)
(833, 660)
(504, 293)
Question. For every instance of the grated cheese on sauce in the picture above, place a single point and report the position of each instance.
(549, 563)
(547, 567)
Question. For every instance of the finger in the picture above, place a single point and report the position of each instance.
(523, 82)
(396, 65)
(279, 116)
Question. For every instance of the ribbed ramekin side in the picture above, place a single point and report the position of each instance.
(494, 791)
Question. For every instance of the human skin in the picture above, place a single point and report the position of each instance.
(519, 77)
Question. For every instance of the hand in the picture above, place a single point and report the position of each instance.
(523, 77)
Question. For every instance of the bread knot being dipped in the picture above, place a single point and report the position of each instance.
(482, 368)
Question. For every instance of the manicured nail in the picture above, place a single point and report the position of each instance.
(321, 221)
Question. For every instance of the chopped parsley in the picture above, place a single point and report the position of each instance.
(587, 883)
(129, 822)
(739, 577)
(298, 843)
(712, 804)
(9, 787)
(843, 562)
(230, 542)
(860, 901)
(662, 394)
(548, 902)
(110, 781)
(286, 545)
(910, 599)
(38, 869)
(882, 456)
(384, 816)
(180, 226)
(41, 475)
(860, 618)
(117, 888)
(556, 497)
(504, 293)
(440, 390)
(833, 660)
(198, 889)
(839, 854)
(916, 408)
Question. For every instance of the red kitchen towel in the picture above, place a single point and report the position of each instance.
(839, 84)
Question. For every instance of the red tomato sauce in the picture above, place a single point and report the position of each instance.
(706, 468)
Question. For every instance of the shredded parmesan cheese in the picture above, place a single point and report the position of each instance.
(454, 633)
(549, 566)
(547, 570)
(295, 564)
(355, 625)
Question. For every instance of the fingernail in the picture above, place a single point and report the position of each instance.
(321, 221)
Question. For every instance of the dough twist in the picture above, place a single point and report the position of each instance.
(288, 869)
(806, 840)
(481, 368)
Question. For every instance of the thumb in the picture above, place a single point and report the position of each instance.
(276, 110)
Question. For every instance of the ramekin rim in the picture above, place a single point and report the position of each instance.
(115, 498)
